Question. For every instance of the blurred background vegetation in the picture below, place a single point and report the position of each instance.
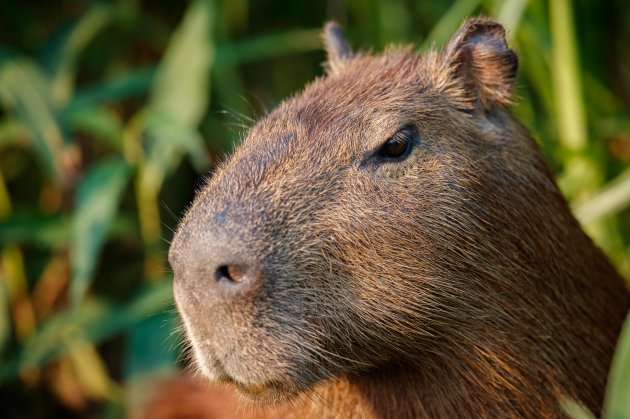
(111, 113)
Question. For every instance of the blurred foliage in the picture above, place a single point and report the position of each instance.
(110, 113)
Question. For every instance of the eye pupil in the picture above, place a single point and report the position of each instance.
(399, 145)
(395, 147)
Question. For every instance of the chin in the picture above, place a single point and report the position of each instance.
(262, 390)
(266, 393)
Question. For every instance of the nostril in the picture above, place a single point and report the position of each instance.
(233, 273)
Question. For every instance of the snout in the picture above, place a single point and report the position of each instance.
(243, 262)
(218, 279)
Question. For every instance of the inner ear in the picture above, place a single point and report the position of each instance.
(337, 48)
(480, 64)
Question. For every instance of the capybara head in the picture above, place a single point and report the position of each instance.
(376, 218)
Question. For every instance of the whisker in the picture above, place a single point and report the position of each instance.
(170, 212)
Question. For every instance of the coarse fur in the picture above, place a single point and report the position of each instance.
(326, 280)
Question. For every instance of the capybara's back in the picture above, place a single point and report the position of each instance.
(390, 243)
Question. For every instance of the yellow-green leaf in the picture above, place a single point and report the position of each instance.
(97, 199)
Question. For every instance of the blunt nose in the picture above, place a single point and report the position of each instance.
(212, 256)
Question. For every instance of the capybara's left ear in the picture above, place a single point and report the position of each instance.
(479, 64)
(337, 48)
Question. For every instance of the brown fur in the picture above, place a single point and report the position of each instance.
(453, 283)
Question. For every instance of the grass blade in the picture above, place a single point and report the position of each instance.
(510, 14)
(25, 90)
(617, 402)
(567, 77)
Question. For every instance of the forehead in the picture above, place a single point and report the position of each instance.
(328, 124)
(368, 92)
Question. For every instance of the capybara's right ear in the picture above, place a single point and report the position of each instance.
(337, 48)
(479, 64)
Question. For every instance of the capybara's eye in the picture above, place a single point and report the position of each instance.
(399, 145)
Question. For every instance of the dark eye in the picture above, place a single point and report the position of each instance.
(399, 145)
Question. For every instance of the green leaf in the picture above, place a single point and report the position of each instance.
(11, 131)
(268, 46)
(98, 196)
(34, 228)
(167, 139)
(181, 85)
(130, 85)
(576, 410)
(5, 314)
(99, 122)
(25, 90)
(614, 197)
(617, 402)
(7, 53)
(63, 54)
(92, 321)
(179, 96)
(54, 337)
(47, 231)
(230, 54)
(150, 345)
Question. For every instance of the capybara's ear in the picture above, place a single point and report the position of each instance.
(481, 64)
(337, 48)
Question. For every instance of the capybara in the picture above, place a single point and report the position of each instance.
(389, 243)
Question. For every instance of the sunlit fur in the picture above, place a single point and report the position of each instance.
(453, 283)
